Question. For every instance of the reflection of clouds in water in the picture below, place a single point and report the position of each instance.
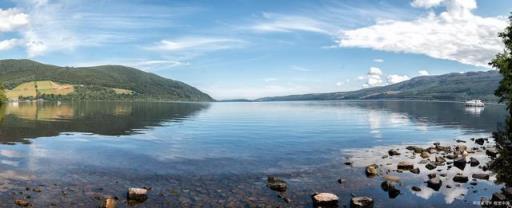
(474, 110)
(398, 119)
(422, 126)
(374, 120)
(10, 162)
(425, 192)
(454, 193)
(10, 153)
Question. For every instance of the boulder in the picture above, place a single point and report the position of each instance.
(432, 175)
(481, 176)
(109, 202)
(425, 155)
(415, 170)
(461, 148)
(390, 187)
(137, 194)
(473, 162)
(372, 170)
(480, 141)
(430, 166)
(361, 202)
(405, 165)
(393, 152)
(276, 184)
(434, 183)
(491, 152)
(460, 163)
(459, 178)
(451, 156)
(22, 203)
(440, 160)
(415, 149)
(325, 200)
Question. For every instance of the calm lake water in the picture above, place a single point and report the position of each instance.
(219, 154)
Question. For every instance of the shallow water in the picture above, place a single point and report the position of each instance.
(219, 154)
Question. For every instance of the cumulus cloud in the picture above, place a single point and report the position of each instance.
(454, 34)
(374, 77)
(395, 78)
(8, 44)
(12, 19)
(423, 73)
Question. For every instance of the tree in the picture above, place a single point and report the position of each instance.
(503, 62)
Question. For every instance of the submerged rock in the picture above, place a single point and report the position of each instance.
(391, 178)
(372, 170)
(361, 202)
(325, 200)
(405, 165)
(434, 183)
(481, 176)
(137, 194)
(415, 188)
(276, 184)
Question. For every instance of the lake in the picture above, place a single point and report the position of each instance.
(220, 154)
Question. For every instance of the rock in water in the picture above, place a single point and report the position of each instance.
(22, 203)
(481, 176)
(276, 184)
(325, 200)
(415, 149)
(460, 163)
(440, 160)
(432, 175)
(393, 152)
(415, 171)
(415, 188)
(371, 170)
(431, 166)
(425, 155)
(391, 178)
(109, 202)
(434, 183)
(137, 194)
(459, 178)
(491, 152)
(480, 141)
(404, 165)
(390, 187)
(361, 202)
(473, 161)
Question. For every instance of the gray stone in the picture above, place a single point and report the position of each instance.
(404, 165)
(276, 184)
(361, 202)
(473, 162)
(393, 152)
(460, 163)
(415, 188)
(137, 194)
(371, 170)
(325, 200)
(434, 183)
(459, 178)
(431, 166)
(481, 176)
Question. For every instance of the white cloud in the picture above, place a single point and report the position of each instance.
(454, 34)
(8, 44)
(270, 79)
(197, 43)
(289, 23)
(12, 19)
(378, 60)
(374, 77)
(300, 68)
(395, 78)
(423, 73)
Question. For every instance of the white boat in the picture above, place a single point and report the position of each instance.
(474, 103)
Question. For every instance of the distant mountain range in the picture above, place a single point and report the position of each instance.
(449, 87)
(30, 79)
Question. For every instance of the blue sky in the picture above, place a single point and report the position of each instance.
(251, 49)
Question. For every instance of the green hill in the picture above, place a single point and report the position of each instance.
(99, 82)
(449, 87)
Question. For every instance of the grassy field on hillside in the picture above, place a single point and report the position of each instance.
(28, 89)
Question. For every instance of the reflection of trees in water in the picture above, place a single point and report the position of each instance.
(106, 118)
(502, 165)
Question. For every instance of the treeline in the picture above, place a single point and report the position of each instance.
(146, 85)
(3, 98)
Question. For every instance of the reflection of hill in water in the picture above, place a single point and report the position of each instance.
(30, 120)
(442, 113)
